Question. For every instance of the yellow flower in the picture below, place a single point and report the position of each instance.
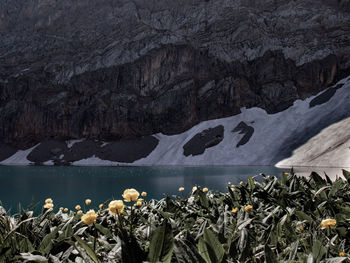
(144, 194)
(328, 223)
(181, 189)
(342, 254)
(100, 206)
(301, 228)
(61, 208)
(77, 207)
(116, 207)
(138, 203)
(65, 210)
(285, 173)
(48, 201)
(79, 212)
(48, 205)
(241, 183)
(229, 183)
(205, 190)
(87, 201)
(248, 208)
(89, 218)
(130, 195)
(234, 210)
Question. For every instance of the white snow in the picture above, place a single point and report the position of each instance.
(70, 143)
(49, 163)
(19, 158)
(329, 148)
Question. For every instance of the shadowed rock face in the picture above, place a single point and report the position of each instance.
(203, 140)
(324, 96)
(124, 151)
(6, 151)
(243, 128)
(123, 69)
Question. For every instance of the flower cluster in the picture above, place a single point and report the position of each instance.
(89, 218)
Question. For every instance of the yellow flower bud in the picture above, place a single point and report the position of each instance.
(144, 194)
(100, 206)
(65, 210)
(79, 212)
(342, 254)
(138, 203)
(205, 190)
(87, 201)
(116, 207)
(328, 223)
(285, 173)
(181, 189)
(89, 218)
(248, 208)
(241, 183)
(229, 183)
(48, 205)
(77, 207)
(234, 210)
(48, 201)
(61, 208)
(130, 195)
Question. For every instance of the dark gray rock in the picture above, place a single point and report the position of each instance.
(128, 151)
(110, 69)
(125, 151)
(203, 140)
(243, 128)
(324, 96)
(6, 151)
(48, 150)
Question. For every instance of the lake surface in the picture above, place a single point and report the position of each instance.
(69, 186)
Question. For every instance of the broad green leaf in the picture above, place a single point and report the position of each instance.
(318, 251)
(214, 243)
(302, 216)
(336, 260)
(203, 250)
(317, 179)
(346, 175)
(270, 257)
(162, 244)
(203, 199)
(335, 187)
(293, 250)
(105, 231)
(87, 249)
(80, 231)
(33, 258)
(46, 244)
(245, 223)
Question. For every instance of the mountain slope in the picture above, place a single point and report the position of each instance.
(252, 137)
(111, 70)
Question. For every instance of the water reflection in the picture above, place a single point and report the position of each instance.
(69, 186)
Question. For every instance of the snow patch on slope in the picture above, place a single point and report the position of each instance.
(19, 158)
(331, 147)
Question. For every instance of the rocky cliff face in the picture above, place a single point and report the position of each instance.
(112, 69)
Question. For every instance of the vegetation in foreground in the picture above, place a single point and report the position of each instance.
(289, 220)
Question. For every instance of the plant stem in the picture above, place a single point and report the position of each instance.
(131, 214)
(95, 237)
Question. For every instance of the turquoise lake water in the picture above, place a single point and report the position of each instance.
(69, 186)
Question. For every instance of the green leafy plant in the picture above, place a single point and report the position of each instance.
(292, 219)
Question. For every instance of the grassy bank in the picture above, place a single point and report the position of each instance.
(289, 220)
